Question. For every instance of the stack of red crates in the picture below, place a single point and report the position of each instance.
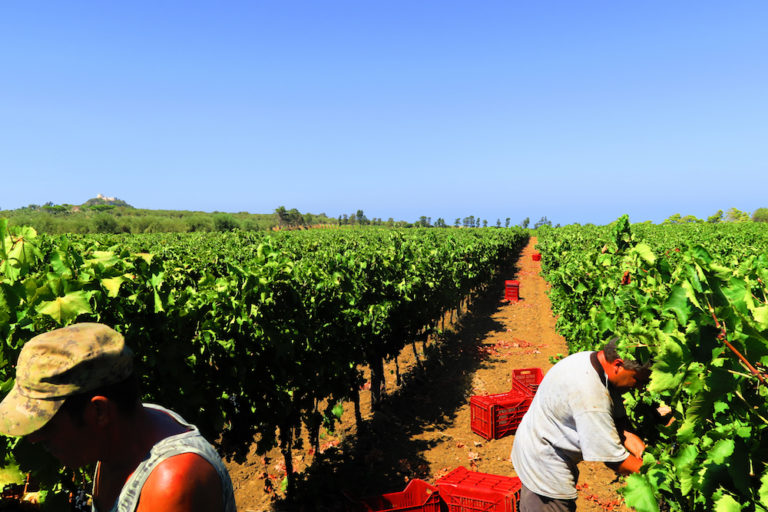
(496, 416)
(527, 380)
(471, 491)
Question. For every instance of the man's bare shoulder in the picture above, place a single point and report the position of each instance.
(185, 482)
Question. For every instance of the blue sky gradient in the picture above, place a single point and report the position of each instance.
(578, 111)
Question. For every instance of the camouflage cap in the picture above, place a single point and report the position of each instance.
(58, 364)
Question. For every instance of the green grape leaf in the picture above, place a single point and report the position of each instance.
(112, 285)
(763, 492)
(59, 265)
(103, 258)
(638, 493)
(721, 451)
(65, 309)
(644, 251)
(22, 250)
(726, 503)
(677, 302)
(760, 315)
(667, 372)
(683, 462)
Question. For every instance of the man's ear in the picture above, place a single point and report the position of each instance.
(99, 411)
(617, 364)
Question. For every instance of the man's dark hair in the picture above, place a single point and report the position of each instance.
(611, 354)
(124, 394)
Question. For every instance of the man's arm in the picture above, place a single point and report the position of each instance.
(183, 483)
(629, 438)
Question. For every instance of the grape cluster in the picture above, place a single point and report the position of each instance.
(81, 501)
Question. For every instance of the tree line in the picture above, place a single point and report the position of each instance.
(110, 215)
(732, 215)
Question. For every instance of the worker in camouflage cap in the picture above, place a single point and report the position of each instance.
(59, 364)
(77, 396)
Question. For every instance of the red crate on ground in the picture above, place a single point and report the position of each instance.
(536, 256)
(512, 290)
(417, 496)
(471, 491)
(496, 416)
(527, 379)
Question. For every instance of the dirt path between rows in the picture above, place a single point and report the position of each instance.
(423, 428)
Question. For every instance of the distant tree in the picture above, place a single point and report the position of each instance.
(477, 222)
(469, 222)
(485, 223)
(735, 215)
(360, 216)
(525, 223)
(429, 221)
(197, 223)
(105, 223)
(225, 222)
(673, 219)
(440, 222)
(716, 218)
(542, 222)
(760, 215)
(390, 222)
(282, 218)
(457, 222)
(506, 224)
(295, 218)
(249, 224)
(102, 207)
(422, 222)
(498, 223)
(55, 209)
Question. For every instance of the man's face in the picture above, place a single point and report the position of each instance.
(66, 439)
(625, 380)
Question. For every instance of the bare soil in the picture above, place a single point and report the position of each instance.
(423, 429)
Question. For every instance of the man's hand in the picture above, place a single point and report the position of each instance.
(628, 466)
(665, 413)
(633, 444)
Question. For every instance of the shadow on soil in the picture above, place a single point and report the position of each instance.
(378, 459)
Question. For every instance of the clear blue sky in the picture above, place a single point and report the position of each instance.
(577, 110)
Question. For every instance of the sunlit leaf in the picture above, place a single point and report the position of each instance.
(639, 494)
(112, 285)
(65, 309)
(726, 503)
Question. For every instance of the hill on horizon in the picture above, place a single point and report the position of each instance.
(100, 199)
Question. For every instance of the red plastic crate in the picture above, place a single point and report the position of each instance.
(471, 491)
(536, 256)
(496, 416)
(512, 290)
(417, 496)
(527, 380)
